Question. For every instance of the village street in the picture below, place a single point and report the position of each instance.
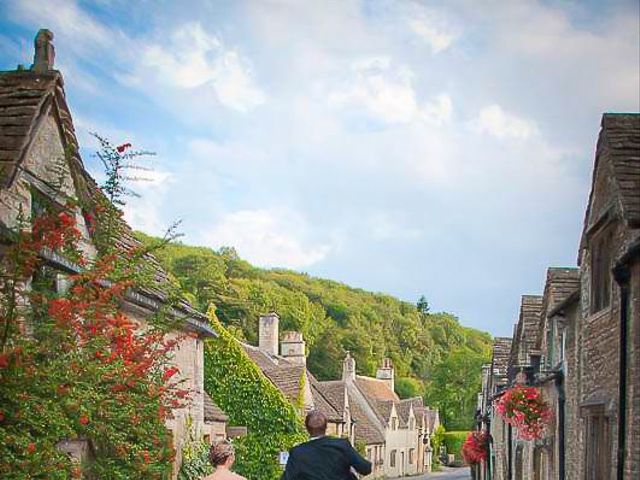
(445, 473)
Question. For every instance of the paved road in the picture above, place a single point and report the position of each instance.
(445, 474)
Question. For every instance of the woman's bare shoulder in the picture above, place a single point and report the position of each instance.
(224, 475)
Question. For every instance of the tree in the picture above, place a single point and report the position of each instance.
(423, 305)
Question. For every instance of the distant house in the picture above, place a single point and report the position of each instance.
(395, 434)
(37, 133)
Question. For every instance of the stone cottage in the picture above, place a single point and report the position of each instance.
(609, 307)
(37, 135)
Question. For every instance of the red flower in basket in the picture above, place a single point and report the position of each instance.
(526, 410)
(475, 448)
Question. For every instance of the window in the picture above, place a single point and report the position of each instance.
(369, 454)
(392, 458)
(412, 454)
(597, 441)
(601, 272)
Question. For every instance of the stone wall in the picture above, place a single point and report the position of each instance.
(632, 461)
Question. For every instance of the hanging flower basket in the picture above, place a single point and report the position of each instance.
(526, 410)
(475, 448)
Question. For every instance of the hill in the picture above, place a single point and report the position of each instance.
(432, 353)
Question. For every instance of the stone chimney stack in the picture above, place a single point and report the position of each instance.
(268, 333)
(349, 368)
(385, 372)
(293, 348)
(44, 57)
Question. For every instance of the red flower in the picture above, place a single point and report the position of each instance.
(475, 448)
(123, 147)
(31, 448)
(4, 360)
(84, 420)
(146, 456)
(168, 373)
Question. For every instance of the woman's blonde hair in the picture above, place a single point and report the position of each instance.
(220, 452)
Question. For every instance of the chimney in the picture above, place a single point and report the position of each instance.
(385, 372)
(349, 368)
(45, 54)
(268, 333)
(292, 347)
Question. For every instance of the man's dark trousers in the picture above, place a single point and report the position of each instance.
(325, 458)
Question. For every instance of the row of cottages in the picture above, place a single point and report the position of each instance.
(580, 341)
(37, 133)
(394, 434)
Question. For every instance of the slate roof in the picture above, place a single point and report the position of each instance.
(26, 98)
(213, 413)
(365, 428)
(376, 389)
(283, 374)
(560, 284)
(526, 334)
(433, 419)
(405, 405)
(334, 391)
(619, 142)
(500, 359)
(324, 401)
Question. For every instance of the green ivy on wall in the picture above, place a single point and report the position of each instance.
(238, 386)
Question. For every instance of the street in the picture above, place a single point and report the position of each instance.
(445, 473)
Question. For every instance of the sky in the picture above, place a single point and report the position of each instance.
(414, 148)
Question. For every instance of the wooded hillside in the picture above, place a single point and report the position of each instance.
(432, 353)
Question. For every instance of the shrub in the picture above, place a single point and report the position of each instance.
(454, 441)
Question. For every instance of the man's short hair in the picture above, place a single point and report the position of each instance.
(316, 423)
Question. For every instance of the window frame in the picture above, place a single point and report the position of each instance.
(600, 263)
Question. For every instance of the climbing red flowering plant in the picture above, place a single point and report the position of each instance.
(73, 364)
(475, 448)
(526, 410)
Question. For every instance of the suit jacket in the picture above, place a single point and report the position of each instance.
(325, 458)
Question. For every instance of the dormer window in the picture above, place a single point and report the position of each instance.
(601, 272)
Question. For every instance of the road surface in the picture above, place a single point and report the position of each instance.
(445, 474)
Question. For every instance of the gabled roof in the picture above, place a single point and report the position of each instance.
(526, 334)
(619, 147)
(433, 419)
(285, 375)
(376, 389)
(26, 99)
(500, 358)
(213, 413)
(366, 429)
(560, 284)
(404, 407)
(323, 400)
(334, 391)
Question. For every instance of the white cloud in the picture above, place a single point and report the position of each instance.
(495, 121)
(267, 238)
(194, 58)
(387, 226)
(437, 37)
(386, 94)
(438, 111)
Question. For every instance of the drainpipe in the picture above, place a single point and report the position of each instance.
(561, 425)
(622, 277)
(510, 459)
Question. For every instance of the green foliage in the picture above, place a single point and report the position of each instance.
(334, 318)
(407, 387)
(453, 441)
(453, 390)
(437, 440)
(195, 459)
(238, 386)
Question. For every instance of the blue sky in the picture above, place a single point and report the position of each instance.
(437, 148)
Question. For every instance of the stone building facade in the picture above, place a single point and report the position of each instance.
(583, 348)
(39, 150)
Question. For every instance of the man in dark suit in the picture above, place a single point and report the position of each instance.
(322, 457)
